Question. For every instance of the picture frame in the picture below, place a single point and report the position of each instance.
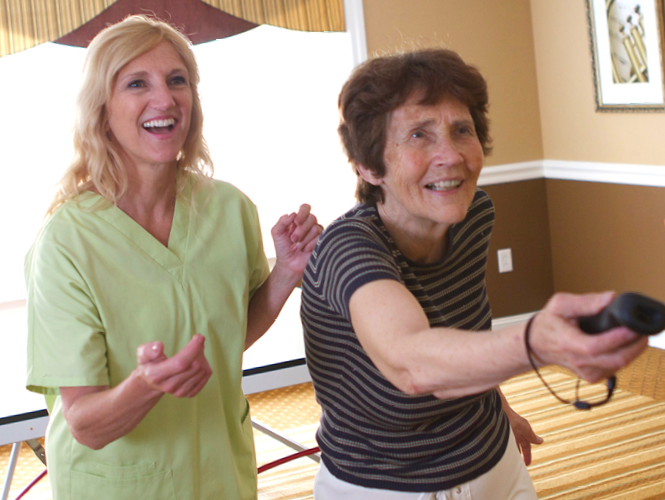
(627, 54)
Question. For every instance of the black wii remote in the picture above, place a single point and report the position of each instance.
(638, 312)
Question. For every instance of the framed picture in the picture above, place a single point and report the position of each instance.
(626, 47)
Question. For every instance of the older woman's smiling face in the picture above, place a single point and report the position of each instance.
(433, 159)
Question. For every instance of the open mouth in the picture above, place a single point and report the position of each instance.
(444, 185)
(159, 126)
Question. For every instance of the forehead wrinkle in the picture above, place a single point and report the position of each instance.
(135, 74)
(143, 73)
(426, 122)
(429, 122)
(410, 116)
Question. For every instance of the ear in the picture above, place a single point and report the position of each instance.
(368, 176)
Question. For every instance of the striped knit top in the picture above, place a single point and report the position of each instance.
(371, 433)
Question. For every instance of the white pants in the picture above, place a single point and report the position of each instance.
(508, 480)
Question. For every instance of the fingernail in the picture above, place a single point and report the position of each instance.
(154, 347)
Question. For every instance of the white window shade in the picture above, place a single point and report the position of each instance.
(270, 102)
(270, 118)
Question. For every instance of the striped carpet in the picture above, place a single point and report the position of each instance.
(616, 451)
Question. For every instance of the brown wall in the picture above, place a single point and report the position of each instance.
(575, 237)
(496, 36)
(607, 237)
(521, 225)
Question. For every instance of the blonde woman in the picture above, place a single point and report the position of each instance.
(145, 285)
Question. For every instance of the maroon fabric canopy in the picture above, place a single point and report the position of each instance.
(198, 20)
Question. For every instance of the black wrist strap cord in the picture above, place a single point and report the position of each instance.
(580, 405)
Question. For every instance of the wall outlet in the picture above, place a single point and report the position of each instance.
(505, 257)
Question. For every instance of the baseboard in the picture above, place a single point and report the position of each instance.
(657, 341)
(613, 173)
(275, 379)
(511, 172)
(500, 323)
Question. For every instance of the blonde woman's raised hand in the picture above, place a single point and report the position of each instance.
(295, 236)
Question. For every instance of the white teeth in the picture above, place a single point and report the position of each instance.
(159, 123)
(444, 185)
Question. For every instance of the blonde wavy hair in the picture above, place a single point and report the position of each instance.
(97, 164)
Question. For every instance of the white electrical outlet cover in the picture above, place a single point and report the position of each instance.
(505, 257)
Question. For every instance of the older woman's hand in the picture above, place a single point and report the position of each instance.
(183, 375)
(524, 434)
(295, 237)
(555, 338)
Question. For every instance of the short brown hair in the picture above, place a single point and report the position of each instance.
(380, 85)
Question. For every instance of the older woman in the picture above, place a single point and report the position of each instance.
(410, 398)
(145, 285)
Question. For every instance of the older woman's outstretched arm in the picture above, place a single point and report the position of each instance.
(394, 331)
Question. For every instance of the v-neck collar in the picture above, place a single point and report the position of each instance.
(170, 258)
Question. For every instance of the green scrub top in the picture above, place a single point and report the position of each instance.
(99, 286)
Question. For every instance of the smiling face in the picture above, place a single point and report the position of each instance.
(433, 159)
(150, 108)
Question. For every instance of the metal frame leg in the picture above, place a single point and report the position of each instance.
(37, 447)
(282, 439)
(16, 449)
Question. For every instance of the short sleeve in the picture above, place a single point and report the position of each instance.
(66, 342)
(349, 255)
(259, 268)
